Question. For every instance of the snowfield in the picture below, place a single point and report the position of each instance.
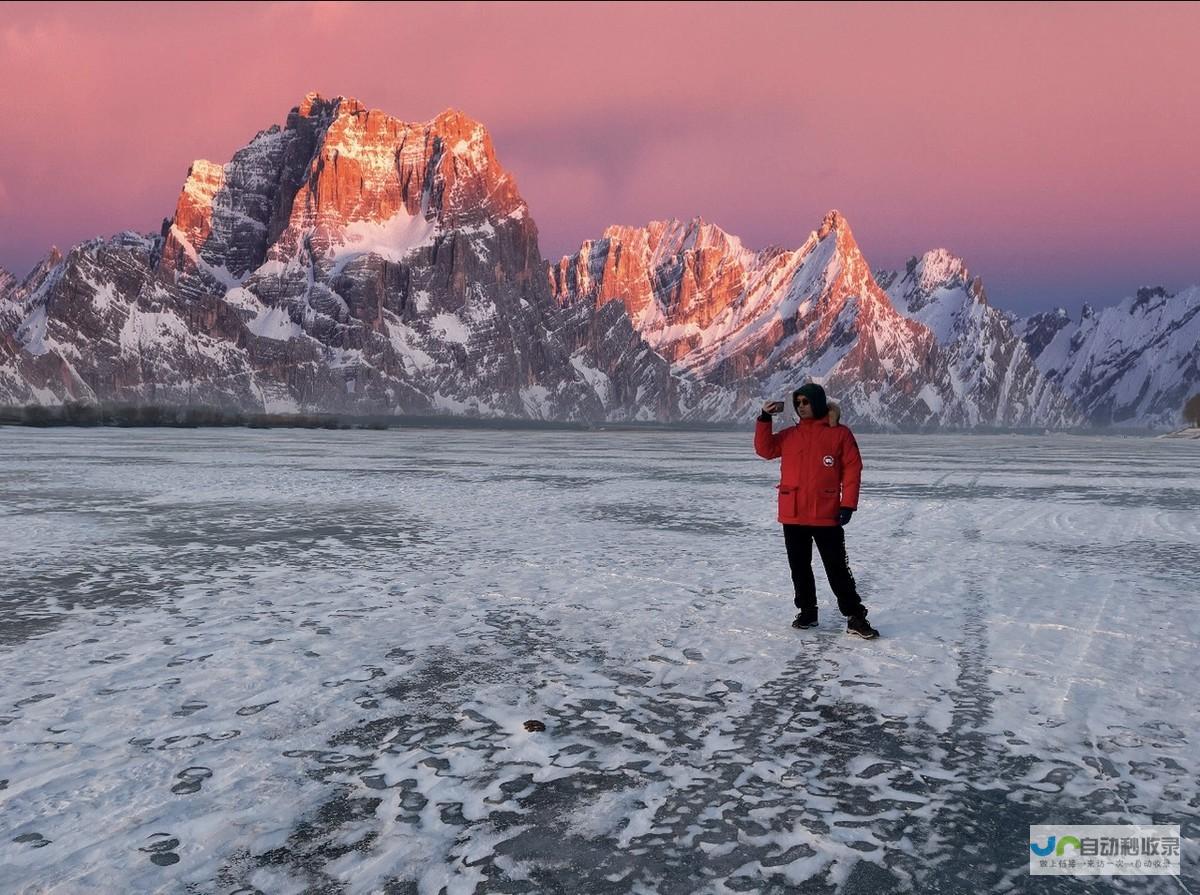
(294, 661)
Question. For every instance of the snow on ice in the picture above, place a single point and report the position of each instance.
(303, 661)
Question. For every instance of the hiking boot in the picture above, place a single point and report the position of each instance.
(805, 618)
(858, 625)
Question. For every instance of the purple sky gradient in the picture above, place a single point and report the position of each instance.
(1053, 146)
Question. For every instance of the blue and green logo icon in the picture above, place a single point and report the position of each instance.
(1050, 848)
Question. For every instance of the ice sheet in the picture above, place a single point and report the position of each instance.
(302, 661)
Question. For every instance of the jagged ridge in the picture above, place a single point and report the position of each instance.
(349, 260)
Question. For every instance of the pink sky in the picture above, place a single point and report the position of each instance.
(1053, 146)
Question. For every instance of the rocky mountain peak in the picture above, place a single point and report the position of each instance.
(674, 237)
(673, 277)
(1148, 298)
(833, 221)
(1039, 330)
(844, 251)
(1145, 293)
(337, 173)
(940, 268)
(453, 121)
(833, 250)
(935, 273)
(41, 270)
(316, 106)
(371, 167)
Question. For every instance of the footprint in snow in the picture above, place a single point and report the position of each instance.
(34, 840)
(190, 708)
(255, 709)
(162, 849)
(29, 700)
(190, 780)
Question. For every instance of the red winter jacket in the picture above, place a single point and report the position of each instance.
(820, 472)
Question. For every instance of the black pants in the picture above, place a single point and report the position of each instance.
(831, 544)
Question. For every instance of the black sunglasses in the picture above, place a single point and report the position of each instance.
(803, 402)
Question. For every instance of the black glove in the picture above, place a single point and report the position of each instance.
(844, 515)
(764, 417)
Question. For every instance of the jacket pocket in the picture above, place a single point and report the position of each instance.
(829, 501)
(787, 502)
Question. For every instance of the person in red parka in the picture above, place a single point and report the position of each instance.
(819, 478)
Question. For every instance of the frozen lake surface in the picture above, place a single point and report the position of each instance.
(301, 661)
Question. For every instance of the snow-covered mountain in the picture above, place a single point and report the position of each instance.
(932, 352)
(346, 261)
(351, 261)
(1134, 364)
(981, 360)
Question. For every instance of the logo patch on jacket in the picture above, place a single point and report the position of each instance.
(827, 460)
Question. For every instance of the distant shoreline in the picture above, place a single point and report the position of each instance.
(128, 416)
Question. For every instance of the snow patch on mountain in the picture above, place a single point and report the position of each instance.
(449, 328)
(32, 332)
(393, 239)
